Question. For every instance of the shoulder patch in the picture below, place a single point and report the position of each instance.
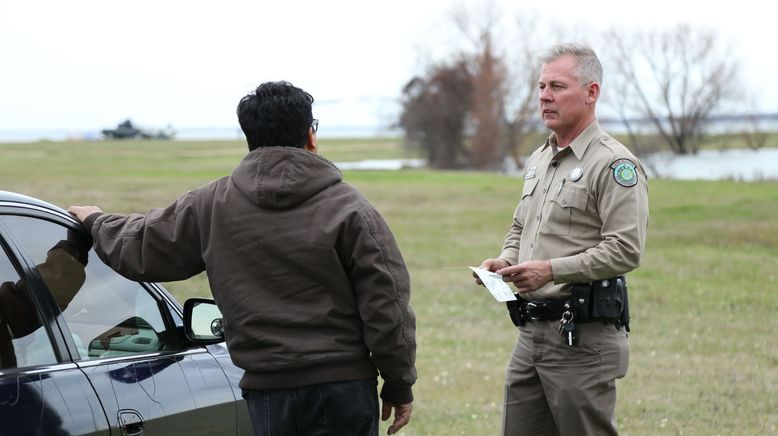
(624, 172)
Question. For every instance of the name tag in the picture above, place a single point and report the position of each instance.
(530, 174)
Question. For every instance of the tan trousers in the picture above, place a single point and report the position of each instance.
(554, 389)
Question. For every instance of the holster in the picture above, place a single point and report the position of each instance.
(514, 311)
(606, 300)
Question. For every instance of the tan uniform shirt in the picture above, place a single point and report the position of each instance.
(585, 208)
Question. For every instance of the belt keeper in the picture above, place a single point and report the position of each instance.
(580, 297)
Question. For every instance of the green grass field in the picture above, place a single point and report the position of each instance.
(705, 311)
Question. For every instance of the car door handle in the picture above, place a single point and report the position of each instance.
(130, 422)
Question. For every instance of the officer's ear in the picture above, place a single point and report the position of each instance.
(592, 92)
(311, 144)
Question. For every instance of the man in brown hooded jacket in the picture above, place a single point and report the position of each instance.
(311, 284)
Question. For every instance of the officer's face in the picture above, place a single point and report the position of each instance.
(565, 105)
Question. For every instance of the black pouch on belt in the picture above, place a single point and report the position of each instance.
(514, 310)
(605, 300)
(609, 301)
(607, 304)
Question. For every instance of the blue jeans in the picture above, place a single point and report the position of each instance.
(347, 408)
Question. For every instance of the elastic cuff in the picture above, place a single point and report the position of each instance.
(90, 221)
(397, 394)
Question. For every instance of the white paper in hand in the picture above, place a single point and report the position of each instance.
(493, 282)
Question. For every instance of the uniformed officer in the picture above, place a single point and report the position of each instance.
(582, 218)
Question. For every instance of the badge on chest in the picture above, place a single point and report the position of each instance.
(575, 174)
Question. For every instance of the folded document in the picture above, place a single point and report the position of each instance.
(493, 282)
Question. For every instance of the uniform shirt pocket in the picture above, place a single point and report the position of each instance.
(526, 203)
(567, 209)
(529, 187)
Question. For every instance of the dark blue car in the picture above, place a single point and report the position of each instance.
(85, 351)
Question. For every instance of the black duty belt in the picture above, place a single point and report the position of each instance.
(542, 310)
(601, 300)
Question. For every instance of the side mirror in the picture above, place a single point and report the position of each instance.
(203, 321)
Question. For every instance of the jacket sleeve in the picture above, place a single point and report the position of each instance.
(623, 211)
(382, 288)
(160, 246)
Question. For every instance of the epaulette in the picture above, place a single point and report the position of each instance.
(612, 144)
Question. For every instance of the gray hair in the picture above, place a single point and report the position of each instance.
(589, 67)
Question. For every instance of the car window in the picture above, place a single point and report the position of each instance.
(107, 315)
(23, 339)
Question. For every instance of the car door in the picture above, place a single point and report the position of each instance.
(127, 342)
(41, 390)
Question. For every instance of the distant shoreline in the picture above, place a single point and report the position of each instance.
(186, 134)
(767, 122)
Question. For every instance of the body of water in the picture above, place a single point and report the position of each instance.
(742, 165)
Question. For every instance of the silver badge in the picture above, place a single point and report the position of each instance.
(576, 174)
(530, 174)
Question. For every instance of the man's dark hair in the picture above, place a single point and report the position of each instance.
(276, 114)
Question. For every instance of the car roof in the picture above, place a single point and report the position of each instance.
(8, 198)
(14, 199)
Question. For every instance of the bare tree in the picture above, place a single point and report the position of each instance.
(502, 64)
(434, 113)
(641, 139)
(675, 80)
(753, 134)
(502, 98)
(522, 110)
(455, 111)
(488, 75)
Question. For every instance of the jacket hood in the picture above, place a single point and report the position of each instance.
(282, 177)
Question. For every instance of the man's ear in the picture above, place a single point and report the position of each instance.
(311, 144)
(593, 92)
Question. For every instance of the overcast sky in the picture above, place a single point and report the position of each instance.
(87, 65)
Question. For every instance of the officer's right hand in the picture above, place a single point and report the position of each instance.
(491, 265)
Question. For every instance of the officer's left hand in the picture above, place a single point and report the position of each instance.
(490, 265)
(528, 276)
